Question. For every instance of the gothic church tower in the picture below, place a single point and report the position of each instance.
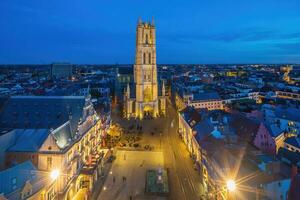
(146, 102)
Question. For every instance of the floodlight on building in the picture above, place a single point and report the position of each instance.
(231, 185)
(54, 174)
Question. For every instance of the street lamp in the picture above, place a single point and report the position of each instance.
(231, 185)
(54, 174)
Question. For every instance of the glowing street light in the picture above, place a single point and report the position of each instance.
(231, 185)
(54, 174)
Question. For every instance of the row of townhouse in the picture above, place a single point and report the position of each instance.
(198, 130)
(288, 95)
(279, 126)
(208, 100)
(235, 156)
(61, 134)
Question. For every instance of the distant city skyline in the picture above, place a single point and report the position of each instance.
(103, 32)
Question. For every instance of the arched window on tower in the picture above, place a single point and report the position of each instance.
(147, 39)
(149, 58)
(144, 58)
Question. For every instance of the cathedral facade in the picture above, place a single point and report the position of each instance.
(144, 99)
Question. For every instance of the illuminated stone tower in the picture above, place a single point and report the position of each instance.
(147, 103)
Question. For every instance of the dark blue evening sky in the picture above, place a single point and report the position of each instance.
(103, 31)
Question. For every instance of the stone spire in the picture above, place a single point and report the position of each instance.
(88, 95)
(128, 91)
(140, 21)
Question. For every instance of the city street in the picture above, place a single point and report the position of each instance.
(168, 150)
(184, 181)
(150, 100)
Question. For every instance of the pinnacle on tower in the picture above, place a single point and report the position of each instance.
(128, 90)
(152, 22)
(88, 94)
(140, 21)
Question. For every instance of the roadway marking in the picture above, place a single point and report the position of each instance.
(177, 155)
(170, 147)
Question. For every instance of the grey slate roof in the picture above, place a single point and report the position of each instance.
(288, 113)
(63, 135)
(29, 140)
(273, 129)
(41, 112)
(289, 156)
(21, 172)
(204, 130)
(191, 116)
(294, 141)
(206, 96)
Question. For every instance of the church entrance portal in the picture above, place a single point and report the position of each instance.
(148, 112)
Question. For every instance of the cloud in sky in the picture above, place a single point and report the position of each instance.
(194, 31)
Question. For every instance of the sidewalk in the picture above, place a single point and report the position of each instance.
(100, 182)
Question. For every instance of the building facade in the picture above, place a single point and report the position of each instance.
(61, 70)
(25, 181)
(269, 138)
(124, 76)
(146, 102)
(210, 101)
(58, 133)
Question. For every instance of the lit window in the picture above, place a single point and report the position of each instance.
(144, 58)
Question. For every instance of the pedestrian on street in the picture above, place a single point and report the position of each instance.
(114, 179)
(130, 197)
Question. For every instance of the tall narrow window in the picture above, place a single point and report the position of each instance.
(149, 58)
(49, 163)
(144, 58)
(146, 38)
